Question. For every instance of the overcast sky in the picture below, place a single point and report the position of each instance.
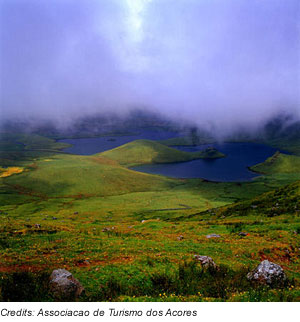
(227, 63)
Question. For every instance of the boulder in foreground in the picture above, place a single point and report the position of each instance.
(206, 261)
(267, 273)
(64, 286)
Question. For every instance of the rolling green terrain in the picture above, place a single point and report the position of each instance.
(279, 163)
(131, 236)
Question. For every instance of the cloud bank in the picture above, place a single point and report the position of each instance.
(218, 64)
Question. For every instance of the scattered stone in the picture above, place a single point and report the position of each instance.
(243, 234)
(143, 221)
(213, 236)
(37, 226)
(206, 261)
(253, 206)
(180, 237)
(64, 286)
(267, 273)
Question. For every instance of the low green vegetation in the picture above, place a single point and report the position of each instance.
(129, 236)
(69, 175)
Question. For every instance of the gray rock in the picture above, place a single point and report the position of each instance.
(213, 236)
(243, 234)
(206, 261)
(267, 273)
(64, 286)
(180, 237)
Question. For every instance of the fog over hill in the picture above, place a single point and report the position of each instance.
(223, 66)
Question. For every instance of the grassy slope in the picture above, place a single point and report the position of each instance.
(19, 149)
(282, 201)
(69, 175)
(146, 151)
(279, 163)
(10, 142)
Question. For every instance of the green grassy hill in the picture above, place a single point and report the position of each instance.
(278, 163)
(282, 201)
(146, 151)
(69, 175)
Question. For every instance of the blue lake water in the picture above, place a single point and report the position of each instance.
(233, 167)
